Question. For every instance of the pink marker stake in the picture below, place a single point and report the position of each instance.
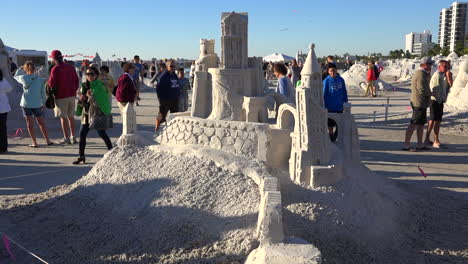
(6, 242)
(422, 172)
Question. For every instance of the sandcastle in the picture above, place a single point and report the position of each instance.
(229, 114)
(235, 121)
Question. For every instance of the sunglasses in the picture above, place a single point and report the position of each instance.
(90, 74)
(171, 66)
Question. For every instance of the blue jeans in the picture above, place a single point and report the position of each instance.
(84, 133)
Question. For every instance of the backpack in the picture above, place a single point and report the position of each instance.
(50, 97)
(376, 72)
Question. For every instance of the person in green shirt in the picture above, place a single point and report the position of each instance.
(94, 98)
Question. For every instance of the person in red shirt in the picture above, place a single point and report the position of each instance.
(370, 80)
(126, 91)
(64, 80)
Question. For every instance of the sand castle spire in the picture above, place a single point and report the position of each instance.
(311, 64)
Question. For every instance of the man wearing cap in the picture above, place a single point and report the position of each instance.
(420, 101)
(439, 89)
(168, 92)
(64, 80)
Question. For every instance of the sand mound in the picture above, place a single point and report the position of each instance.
(399, 70)
(368, 219)
(139, 205)
(356, 80)
(458, 96)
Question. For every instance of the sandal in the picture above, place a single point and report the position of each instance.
(32, 146)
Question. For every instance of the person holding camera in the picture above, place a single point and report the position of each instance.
(32, 102)
(93, 103)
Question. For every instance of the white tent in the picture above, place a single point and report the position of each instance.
(277, 57)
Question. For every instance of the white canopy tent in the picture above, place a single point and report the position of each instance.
(277, 57)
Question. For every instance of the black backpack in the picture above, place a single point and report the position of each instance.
(50, 97)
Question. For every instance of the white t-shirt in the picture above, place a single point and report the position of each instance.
(5, 87)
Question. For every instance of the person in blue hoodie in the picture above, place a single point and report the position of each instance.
(334, 95)
(32, 101)
(168, 92)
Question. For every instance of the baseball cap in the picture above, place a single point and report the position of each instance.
(427, 60)
(56, 54)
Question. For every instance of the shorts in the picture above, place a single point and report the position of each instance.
(165, 106)
(436, 111)
(419, 116)
(35, 112)
(65, 107)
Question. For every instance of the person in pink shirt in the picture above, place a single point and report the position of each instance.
(64, 82)
(371, 80)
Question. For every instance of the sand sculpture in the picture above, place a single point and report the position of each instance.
(297, 142)
(97, 59)
(202, 94)
(236, 77)
(114, 68)
(458, 95)
(5, 65)
(301, 56)
(235, 122)
(14, 97)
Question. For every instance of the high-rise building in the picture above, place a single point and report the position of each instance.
(418, 43)
(453, 25)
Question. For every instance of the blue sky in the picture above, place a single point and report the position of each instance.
(164, 29)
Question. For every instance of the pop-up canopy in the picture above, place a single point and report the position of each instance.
(277, 57)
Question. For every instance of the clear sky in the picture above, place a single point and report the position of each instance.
(170, 29)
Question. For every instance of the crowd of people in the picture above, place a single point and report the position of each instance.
(334, 88)
(90, 99)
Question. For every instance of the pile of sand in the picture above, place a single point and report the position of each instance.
(140, 205)
(458, 96)
(399, 70)
(368, 219)
(356, 80)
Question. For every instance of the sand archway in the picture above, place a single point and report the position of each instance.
(287, 117)
(281, 145)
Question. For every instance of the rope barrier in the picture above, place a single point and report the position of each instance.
(6, 241)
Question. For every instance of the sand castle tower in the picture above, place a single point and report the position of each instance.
(202, 94)
(238, 75)
(310, 140)
(234, 39)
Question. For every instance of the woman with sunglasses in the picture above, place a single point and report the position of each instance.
(93, 97)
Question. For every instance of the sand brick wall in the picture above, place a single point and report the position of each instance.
(241, 138)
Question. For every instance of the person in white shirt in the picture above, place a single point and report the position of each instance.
(5, 87)
(440, 87)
